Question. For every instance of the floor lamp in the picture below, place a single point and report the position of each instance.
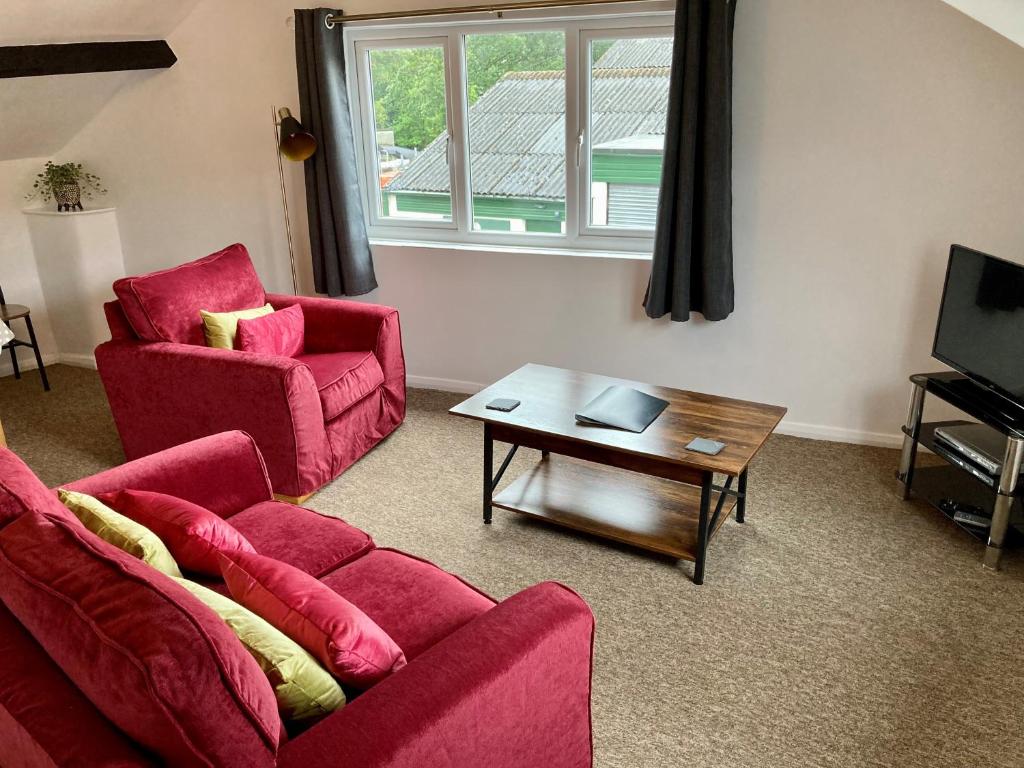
(296, 143)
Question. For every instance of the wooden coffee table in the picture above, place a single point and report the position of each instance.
(671, 503)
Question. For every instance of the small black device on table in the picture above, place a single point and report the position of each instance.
(504, 404)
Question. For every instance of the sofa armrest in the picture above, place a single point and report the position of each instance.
(224, 473)
(164, 394)
(511, 689)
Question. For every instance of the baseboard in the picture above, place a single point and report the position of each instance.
(445, 385)
(78, 361)
(792, 428)
(840, 434)
(26, 362)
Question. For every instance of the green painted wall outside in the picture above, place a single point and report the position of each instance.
(539, 215)
(626, 169)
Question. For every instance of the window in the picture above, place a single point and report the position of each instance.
(519, 131)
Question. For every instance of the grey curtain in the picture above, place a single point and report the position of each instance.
(342, 264)
(692, 268)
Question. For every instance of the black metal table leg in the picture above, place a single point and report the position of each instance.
(702, 528)
(741, 501)
(488, 472)
(39, 357)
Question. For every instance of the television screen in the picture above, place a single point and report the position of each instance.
(981, 321)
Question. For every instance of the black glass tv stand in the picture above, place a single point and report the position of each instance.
(999, 496)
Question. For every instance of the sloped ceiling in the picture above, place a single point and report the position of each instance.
(1004, 16)
(41, 114)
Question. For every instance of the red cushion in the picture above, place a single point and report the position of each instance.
(342, 378)
(412, 600)
(311, 542)
(280, 333)
(159, 664)
(347, 643)
(21, 491)
(192, 533)
(164, 305)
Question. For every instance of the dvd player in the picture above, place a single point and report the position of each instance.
(983, 445)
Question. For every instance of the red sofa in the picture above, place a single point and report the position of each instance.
(487, 684)
(312, 416)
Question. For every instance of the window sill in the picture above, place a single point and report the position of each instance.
(517, 250)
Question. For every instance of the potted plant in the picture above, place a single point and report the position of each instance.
(67, 183)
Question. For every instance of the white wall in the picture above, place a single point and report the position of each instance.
(868, 137)
(18, 274)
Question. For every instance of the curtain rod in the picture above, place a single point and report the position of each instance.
(332, 21)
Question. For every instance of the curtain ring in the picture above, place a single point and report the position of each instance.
(329, 21)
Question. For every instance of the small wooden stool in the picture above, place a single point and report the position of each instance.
(10, 312)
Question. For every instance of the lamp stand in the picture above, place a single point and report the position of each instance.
(284, 203)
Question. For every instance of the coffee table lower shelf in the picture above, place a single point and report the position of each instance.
(650, 513)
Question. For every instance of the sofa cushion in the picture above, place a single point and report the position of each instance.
(164, 305)
(193, 533)
(342, 378)
(44, 718)
(304, 689)
(21, 491)
(348, 643)
(280, 333)
(412, 600)
(158, 663)
(311, 542)
(221, 328)
(123, 532)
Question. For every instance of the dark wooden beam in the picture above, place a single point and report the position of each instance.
(74, 58)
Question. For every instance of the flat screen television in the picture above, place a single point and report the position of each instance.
(980, 331)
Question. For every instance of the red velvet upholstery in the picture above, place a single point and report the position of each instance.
(33, 693)
(279, 333)
(342, 378)
(120, 328)
(164, 305)
(501, 686)
(195, 472)
(510, 689)
(139, 646)
(21, 491)
(314, 543)
(392, 588)
(162, 394)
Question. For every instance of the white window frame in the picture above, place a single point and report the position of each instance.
(586, 39)
(642, 19)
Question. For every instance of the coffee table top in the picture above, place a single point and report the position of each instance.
(551, 396)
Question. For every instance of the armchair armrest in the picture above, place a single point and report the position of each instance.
(224, 473)
(334, 325)
(511, 689)
(164, 394)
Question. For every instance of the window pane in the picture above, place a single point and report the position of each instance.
(628, 101)
(407, 87)
(516, 96)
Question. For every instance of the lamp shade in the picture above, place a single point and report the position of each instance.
(296, 142)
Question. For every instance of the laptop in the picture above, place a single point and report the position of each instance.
(622, 408)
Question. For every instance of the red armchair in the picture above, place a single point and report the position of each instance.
(502, 685)
(312, 415)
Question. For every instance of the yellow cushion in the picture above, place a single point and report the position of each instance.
(123, 532)
(303, 688)
(220, 327)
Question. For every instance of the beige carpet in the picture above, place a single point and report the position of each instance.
(838, 627)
